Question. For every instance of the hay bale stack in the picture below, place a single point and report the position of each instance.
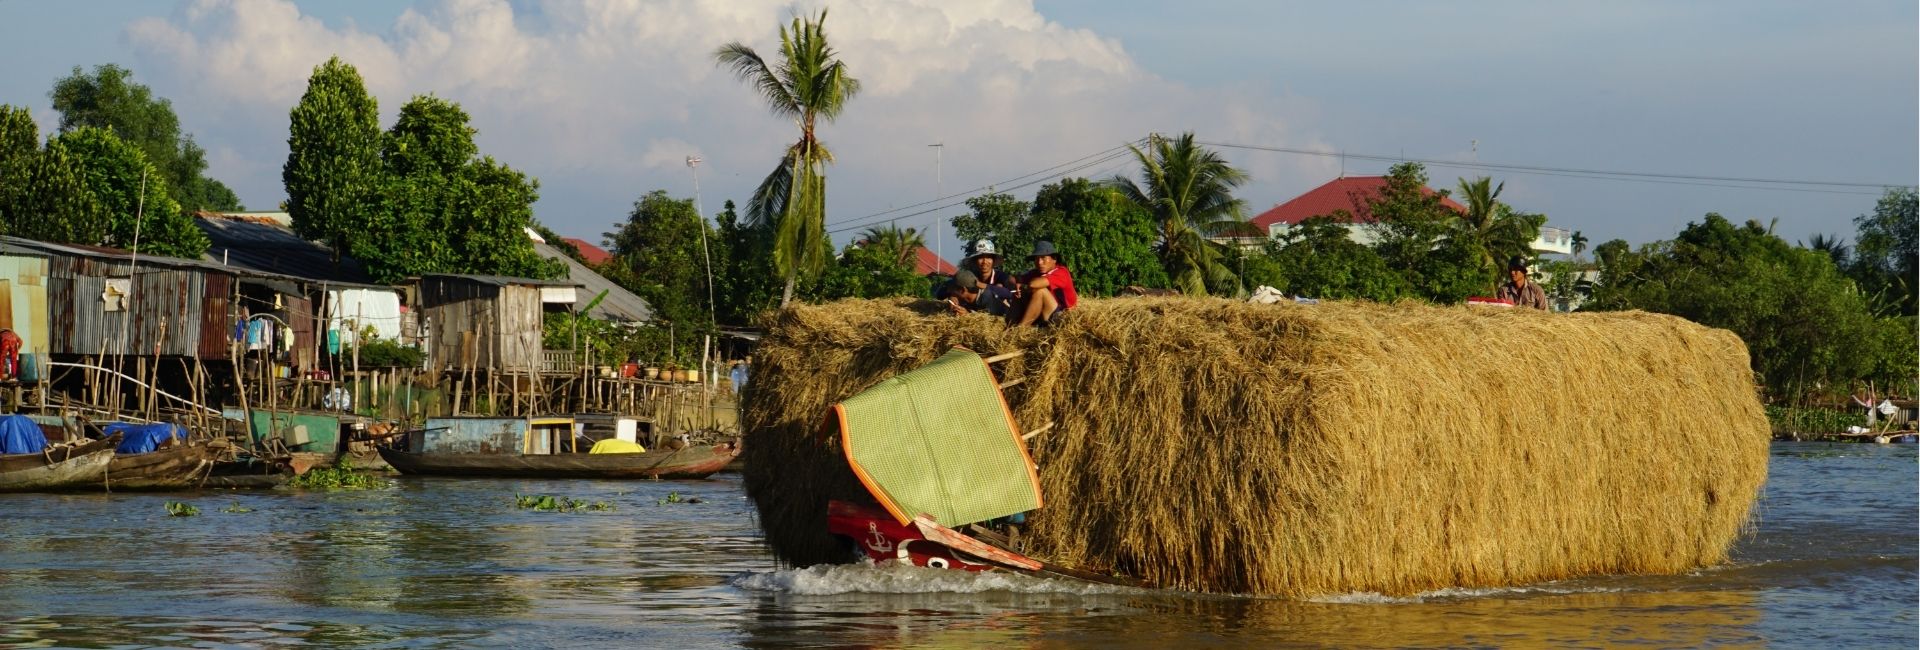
(1297, 450)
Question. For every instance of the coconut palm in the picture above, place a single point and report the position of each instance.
(1493, 229)
(1579, 244)
(1833, 246)
(807, 84)
(1189, 191)
(895, 243)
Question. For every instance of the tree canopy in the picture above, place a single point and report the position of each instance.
(332, 174)
(1809, 330)
(140, 213)
(108, 98)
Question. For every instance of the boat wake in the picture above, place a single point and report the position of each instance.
(1459, 593)
(894, 578)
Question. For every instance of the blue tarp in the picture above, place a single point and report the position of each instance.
(19, 435)
(143, 438)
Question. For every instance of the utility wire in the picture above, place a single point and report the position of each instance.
(947, 201)
(1111, 155)
(1574, 172)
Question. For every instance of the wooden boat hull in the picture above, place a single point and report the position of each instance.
(63, 468)
(181, 467)
(689, 463)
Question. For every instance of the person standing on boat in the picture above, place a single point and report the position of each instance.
(1518, 290)
(1046, 292)
(985, 262)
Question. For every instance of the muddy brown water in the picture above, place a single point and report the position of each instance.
(435, 563)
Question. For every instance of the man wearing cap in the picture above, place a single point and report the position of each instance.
(1518, 290)
(1047, 290)
(965, 294)
(984, 261)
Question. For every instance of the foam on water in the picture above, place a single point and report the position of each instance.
(1458, 593)
(895, 578)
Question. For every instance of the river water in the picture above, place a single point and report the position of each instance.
(453, 563)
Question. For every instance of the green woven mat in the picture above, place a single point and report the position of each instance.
(938, 440)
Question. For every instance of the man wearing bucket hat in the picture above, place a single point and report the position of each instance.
(1046, 292)
(985, 263)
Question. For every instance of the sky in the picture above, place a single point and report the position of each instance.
(604, 100)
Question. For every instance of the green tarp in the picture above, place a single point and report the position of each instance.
(939, 440)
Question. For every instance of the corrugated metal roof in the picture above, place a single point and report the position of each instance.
(620, 305)
(263, 243)
(501, 280)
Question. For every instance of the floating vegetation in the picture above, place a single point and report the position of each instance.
(674, 497)
(178, 509)
(550, 503)
(338, 477)
(236, 508)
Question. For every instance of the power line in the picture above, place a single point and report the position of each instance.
(1111, 155)
(1749, 183)
(1049, 173)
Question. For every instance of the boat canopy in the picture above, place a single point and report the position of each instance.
(19, 435)
(939, 440)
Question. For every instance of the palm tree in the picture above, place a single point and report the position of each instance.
(1579, 244)
(1833, 246)
(1189, 191)
(808, 84)
(900, 245)
(1494, 230)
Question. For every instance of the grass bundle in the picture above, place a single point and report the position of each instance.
(1297, 450)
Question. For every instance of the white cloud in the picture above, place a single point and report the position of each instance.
(603, 99)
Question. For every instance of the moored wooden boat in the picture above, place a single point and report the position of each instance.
(63, 467)
(695, 462)
(180, 467)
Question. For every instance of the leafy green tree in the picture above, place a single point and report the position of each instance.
(1105, 239)
(657, 255)
(1809, 331)
(19, 147)
(1189, 191)
(868, 271)
(109, 99)
(993, 216)
(1412, 226)
(808, 84)
(62, 208)
(142, 216)
(486, 226)
(333, 174)
(743, 271)
(1318, 258)
(1886, 251)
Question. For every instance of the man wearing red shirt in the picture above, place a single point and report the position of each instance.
(1047, 290)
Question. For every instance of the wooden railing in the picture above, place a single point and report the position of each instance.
(558, 362)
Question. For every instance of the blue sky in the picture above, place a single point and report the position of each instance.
(603, 100)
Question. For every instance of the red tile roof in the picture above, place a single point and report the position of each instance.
(1350, 194)
(593, 254)
(927, 263)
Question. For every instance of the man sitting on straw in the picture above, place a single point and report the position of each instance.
(1518, 290)
(964, 294)
(1047, 290)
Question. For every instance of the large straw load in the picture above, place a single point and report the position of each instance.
(1308, 449)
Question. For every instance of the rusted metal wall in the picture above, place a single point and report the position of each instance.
(299, 313)
(216, 317)
(162, 313)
